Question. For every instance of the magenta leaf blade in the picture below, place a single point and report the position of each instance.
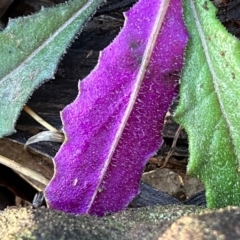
(114, 125)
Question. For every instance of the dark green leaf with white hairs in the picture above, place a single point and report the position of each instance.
(209, 106)
(30, 49)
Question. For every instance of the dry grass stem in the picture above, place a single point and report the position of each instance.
(39, 119)
(25, 171)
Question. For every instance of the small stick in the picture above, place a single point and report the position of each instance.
(173, 146)
(23, 170)
(39, 119)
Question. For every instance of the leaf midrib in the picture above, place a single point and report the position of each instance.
(211, 68)
(46, 42)
(136, 87)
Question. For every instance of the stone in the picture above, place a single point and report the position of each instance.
(222, 224)
(41, 224)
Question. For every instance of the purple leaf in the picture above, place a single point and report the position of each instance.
(114, 125)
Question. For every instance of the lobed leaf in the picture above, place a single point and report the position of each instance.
(115, 123)
(209, 106)
(30, 50)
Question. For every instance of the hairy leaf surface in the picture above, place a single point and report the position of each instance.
(115, 123)
(30, 48)
(209, 104)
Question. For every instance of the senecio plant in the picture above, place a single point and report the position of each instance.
(114, 125)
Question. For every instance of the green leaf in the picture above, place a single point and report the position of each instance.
(30, 49)
(209, 104)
